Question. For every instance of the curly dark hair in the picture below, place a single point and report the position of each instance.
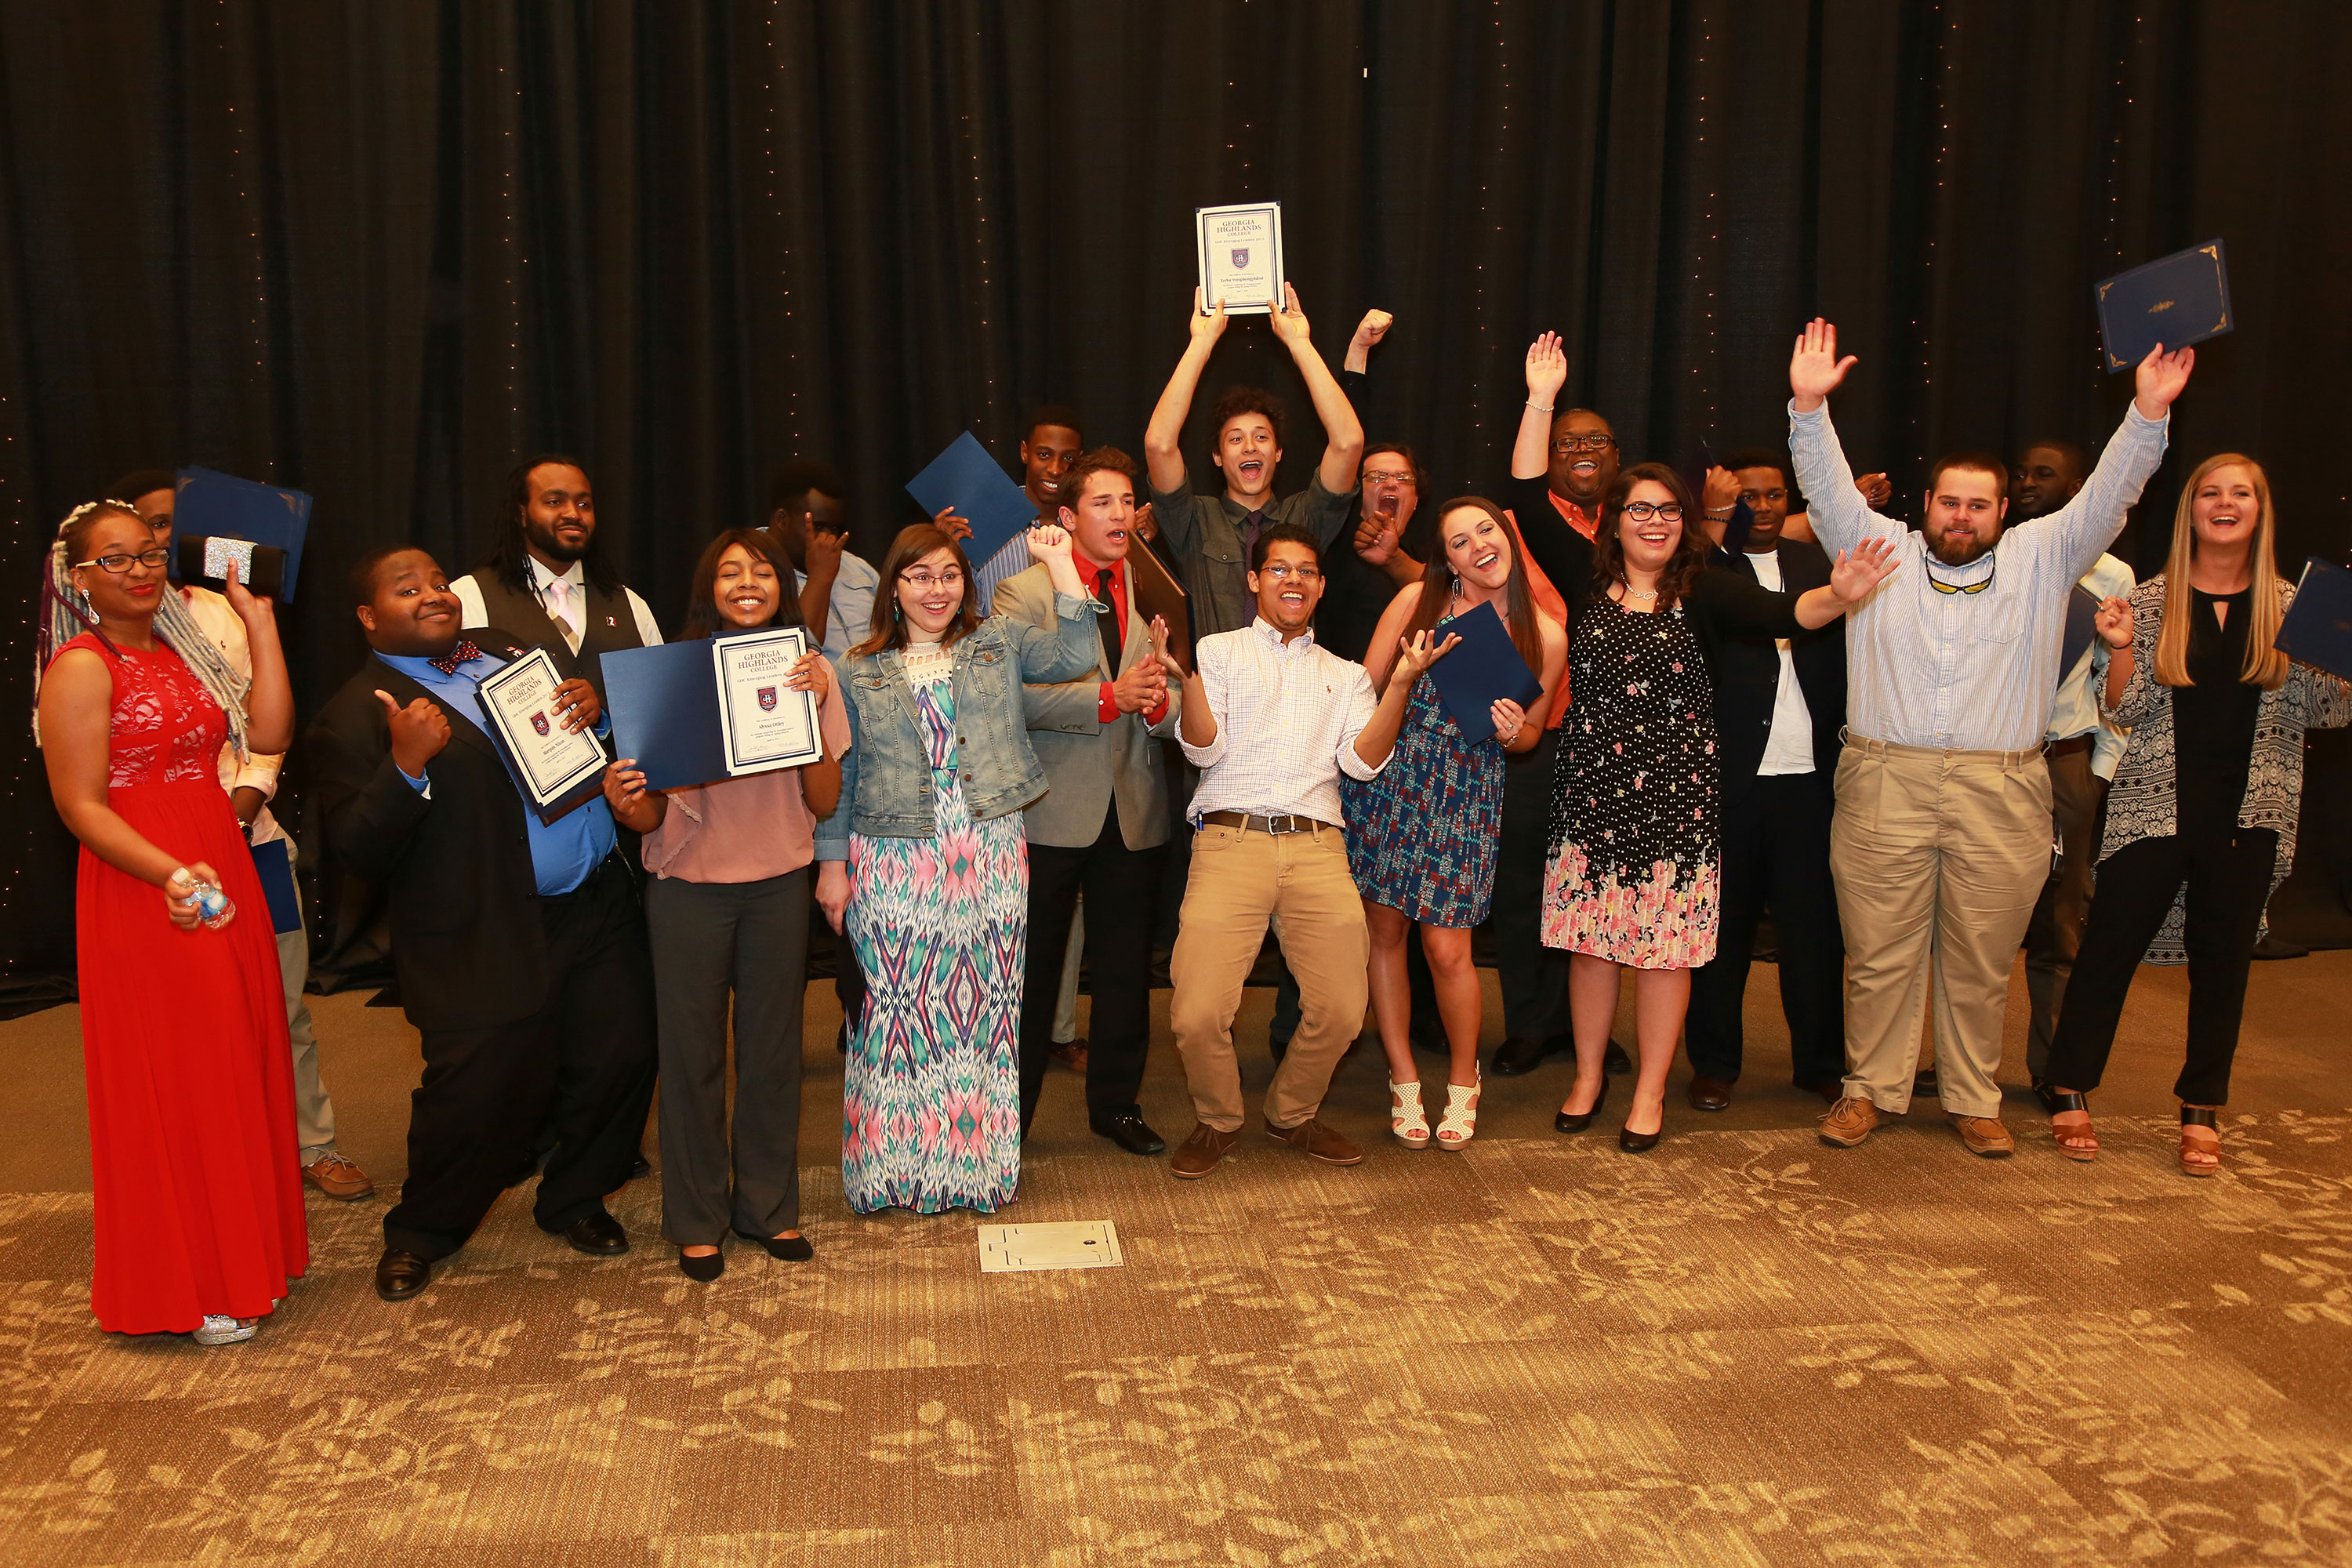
(1682, 568)
(1237, 401)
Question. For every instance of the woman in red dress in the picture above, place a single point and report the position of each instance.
(197, 1198)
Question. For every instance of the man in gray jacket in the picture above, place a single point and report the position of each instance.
(1101, 827)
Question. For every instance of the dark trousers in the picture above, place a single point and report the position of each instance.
(2227, 871)
(709, 939)
(1776, 856)
(2056, 933)
(584, 1063)
(1534, 977)
(1122, 890)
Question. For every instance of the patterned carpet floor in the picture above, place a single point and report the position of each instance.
(1745, 1348)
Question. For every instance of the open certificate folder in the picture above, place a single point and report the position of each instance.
(764, 723)
(2317, 629)
(555, 767)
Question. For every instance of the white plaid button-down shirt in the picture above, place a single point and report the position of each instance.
(1288, 718)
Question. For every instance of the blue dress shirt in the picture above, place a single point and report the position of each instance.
(562, 852)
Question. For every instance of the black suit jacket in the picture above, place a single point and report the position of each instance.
(1747, 671)
(468, 945)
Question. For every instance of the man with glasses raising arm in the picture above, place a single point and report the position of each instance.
(1941, 840)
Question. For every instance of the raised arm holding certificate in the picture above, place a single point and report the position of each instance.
(555, 767)
(1240, 257)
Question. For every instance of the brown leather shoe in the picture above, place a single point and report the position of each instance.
(1199, 1154)
(1071, 1054)
(1985, 1136)
(1317, 1142)
(1710, 1093)
(337, 1177)
(1848, 1121)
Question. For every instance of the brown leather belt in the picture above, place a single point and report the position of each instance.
(1242, 819)
(2070, 745)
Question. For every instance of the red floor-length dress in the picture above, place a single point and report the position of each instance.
(198, 1191)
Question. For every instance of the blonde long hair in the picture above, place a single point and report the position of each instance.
(2265, 666)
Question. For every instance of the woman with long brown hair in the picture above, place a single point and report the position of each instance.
(2201, 816)
(1635, 852)
(924, 867)
(1422, 833)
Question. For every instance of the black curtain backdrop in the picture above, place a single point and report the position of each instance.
(377, 250)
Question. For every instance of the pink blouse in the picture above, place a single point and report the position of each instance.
(744, 829)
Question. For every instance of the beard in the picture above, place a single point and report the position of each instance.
(1960, 552)
(550, 545)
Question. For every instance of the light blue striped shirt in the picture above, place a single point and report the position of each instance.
(1966, 672)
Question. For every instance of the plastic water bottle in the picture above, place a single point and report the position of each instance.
(212, 905)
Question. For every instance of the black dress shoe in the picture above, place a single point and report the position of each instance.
(1614, 1059)
(640, 1167)
(400, 1274)
(702, 1271)
(1710, 1093)
(1570, 1122)
(1634, 1142)
(599, 1235)
(791, 1249)
(2049, 1098)
(1130, 1132)
(1518, 1056)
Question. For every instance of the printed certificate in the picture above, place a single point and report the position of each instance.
(551, 763)
(1241, 256)
(764, 724)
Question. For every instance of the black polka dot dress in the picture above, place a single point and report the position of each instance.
(1635, 873)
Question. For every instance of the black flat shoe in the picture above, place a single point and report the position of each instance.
(702, 1271)
(1130, 1132)
(791, 1249)
(1614, 1059)
(401, 1275)
(1569, 1121)
(599, 1235)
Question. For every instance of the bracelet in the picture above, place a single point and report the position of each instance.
(1537, 407)
(1724, 513)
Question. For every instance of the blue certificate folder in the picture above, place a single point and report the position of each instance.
(222, 506)
(664, 703)
(967, 479)
(2318, 625)
(1486, 668)
(2175, 300)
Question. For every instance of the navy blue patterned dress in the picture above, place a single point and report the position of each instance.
(1422, 833)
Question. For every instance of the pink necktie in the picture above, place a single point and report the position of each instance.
(559, 590)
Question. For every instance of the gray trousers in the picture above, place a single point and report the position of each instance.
(706, 938)
(314, 1113)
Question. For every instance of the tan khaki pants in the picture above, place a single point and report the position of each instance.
(1938, 856)
(1240, 880)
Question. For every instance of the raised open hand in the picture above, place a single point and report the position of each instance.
(1815, 369)
(952, 522)
(2114, 623)
(1160, 647)
(1207, 323)
(2159, 378)
(1861, 570)
(1546, 371)
(1288, 322)
(1417, 653)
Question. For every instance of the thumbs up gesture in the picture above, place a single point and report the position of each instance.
(418, 732)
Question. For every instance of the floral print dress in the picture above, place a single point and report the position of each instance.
(1635, 874)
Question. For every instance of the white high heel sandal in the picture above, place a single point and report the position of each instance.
(1459, 1124)
(1406, 1118)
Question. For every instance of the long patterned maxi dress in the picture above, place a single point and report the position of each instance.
(1636, 871)
(931, 1105)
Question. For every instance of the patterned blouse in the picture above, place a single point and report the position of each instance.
(2143, 801)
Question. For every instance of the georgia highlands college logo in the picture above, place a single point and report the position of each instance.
(767, 698)
(1241, 256)
(539, 722)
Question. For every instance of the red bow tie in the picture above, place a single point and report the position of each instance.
(463, 653)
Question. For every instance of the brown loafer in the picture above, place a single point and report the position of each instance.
(1071, 1054)
(337, 1177)
(1710, 1093)
(1199, 1154)
(1316, 1142)
(1850, 1120)
(1985, 1137)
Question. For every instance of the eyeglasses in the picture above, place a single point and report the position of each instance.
(1283, 572)
(1643, 510)
(918, 580)
(118, 563)
(1387, 476)
(1568, 444)
(1943, 588)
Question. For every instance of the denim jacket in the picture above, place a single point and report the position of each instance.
(886, 778)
